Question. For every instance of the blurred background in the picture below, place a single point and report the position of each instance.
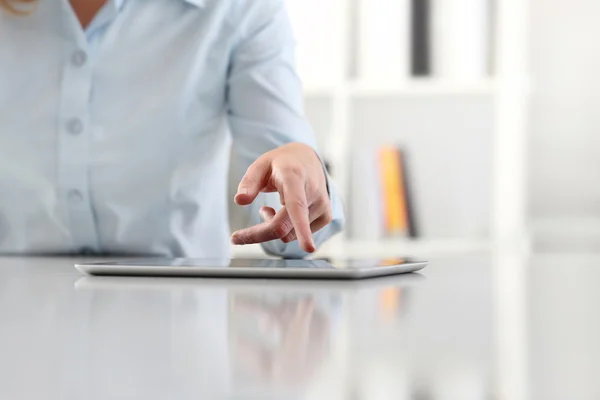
(449, 125)
(564, 149)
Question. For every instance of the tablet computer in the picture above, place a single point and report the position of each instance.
(254, 268)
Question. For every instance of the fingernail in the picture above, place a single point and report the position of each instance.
(243, 191)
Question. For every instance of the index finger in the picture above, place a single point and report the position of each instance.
(278, 227)
(297, 206)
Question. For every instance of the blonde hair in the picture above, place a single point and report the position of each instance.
(18, 7)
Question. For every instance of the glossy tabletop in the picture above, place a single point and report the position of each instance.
(481, 326)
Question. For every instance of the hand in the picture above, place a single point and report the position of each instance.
(279, 342)
(296, 173)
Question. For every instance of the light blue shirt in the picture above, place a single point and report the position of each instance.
(117, 139)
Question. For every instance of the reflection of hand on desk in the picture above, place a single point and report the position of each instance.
(277, 341)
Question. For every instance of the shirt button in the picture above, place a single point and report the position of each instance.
(75, 196)
(75, 126)
(78, 58)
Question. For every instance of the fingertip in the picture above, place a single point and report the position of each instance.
(307, 242)
(263, 213)
(309, 247)
(236, 239)
(267, 213)
(243, 199)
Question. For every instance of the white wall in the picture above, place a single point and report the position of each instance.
(565, 124)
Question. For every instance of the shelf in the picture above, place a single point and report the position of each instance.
(414, 87)
(424, 87)
(416, 248)
(387, 248)
(570, 234)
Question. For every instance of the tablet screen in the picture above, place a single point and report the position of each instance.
(262, 263)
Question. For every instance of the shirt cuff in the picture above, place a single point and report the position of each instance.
(325, 173)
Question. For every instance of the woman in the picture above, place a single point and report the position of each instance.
(116, 120)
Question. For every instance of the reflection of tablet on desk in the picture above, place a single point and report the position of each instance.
(254, 268)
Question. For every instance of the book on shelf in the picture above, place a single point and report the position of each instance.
(381, 203)
(445, 39)
(408, 195)
(421, 38)
(392, 192)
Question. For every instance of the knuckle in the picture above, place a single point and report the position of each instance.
(299, 203)
(294, 170)
(311, 185)
(289, 238)
(320, 203)
(280, 230)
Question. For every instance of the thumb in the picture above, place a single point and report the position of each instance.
(255, 178)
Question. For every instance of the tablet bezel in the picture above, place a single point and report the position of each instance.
(138, 268)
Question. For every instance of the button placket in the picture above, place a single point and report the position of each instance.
(74, 148)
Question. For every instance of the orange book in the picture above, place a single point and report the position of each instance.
(393, 193)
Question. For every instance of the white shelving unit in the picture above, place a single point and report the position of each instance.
(417, 87)
(484, 120)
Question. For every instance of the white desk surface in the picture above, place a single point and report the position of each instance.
(468, 327)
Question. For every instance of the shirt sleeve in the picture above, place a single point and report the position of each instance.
(265, 107)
